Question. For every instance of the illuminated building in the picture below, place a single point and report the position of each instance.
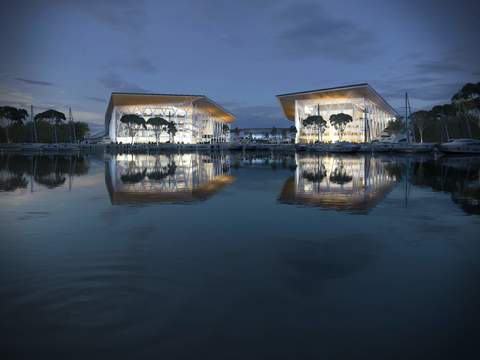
(197, 119)
(369, 111)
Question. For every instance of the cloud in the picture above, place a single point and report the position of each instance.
(34, 82)
(315, 32)
(15, 97)
(428, 81)
(114, 82)
(424, 92)
(95, 99)
(439, 67)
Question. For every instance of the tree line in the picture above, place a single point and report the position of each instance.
(50, 126)
(458, 119)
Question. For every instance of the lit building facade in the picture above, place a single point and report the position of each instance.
(369, 111)
(197, 119)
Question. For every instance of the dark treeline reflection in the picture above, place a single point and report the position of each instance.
(354, 183)
(358, 183)
(459, 176)
(20, 171)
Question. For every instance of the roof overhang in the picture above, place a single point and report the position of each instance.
(200, 101)
(287, 101)
(360, 202)
(200, 193)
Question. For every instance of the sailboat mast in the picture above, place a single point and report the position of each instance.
(407, 128)
(72, 124)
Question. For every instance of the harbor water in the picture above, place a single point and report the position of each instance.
(239, 255)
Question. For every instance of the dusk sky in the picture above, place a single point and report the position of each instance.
(60, 53)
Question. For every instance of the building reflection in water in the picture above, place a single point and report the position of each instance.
(165, 178)
(342, 182)
(352, 183)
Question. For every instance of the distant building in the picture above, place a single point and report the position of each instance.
(197, 118)
(274, 135)
(369, 111)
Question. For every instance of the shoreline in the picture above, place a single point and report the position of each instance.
(67, 148)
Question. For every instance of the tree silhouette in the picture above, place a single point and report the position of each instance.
(317, 122)
(339, 175)
(133, 177)
(163, 172)
(420, 120)
(467, 104)
(52, 117)
(225, 130)
(12, 115)
(315, 176)
(158, 124)
(340, 122)
(171, 130)
(133, 122)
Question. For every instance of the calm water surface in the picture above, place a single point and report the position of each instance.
(239, 256)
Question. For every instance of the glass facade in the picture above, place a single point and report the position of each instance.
(369, 120)
(194, 124)
(369, 114)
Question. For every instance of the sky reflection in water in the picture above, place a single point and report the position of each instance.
(239, 255)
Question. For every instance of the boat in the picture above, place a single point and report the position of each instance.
(461, 146)
(388, 142)
(343, 147)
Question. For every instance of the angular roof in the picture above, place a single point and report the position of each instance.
(349, 91)
(200, 101)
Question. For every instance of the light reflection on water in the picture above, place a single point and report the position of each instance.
(257, 255)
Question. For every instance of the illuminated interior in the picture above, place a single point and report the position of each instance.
(197, 119)
(369, 111)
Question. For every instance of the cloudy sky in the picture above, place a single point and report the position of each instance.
(60, 53)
